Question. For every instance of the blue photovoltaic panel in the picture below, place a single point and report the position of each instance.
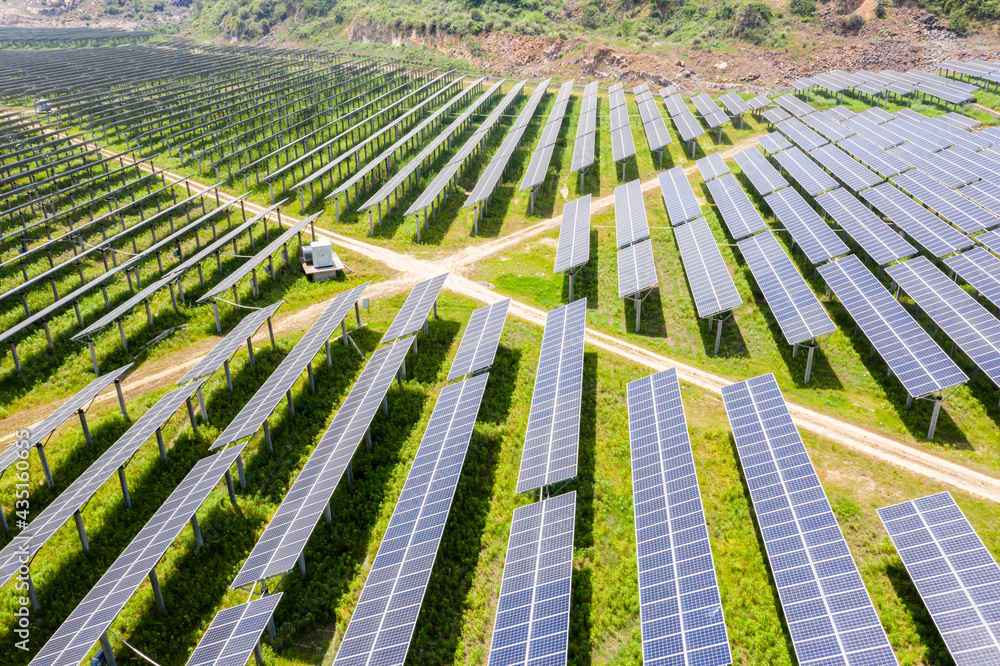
(878, 160)
(708, 276)
(800, 135)
(712, 166)
(828, 127)
(775, 116)
(229, 344)
(73, 405)
(990, 240)
(929, 164)
(809, 231)
(960, 316)
(630, 214)
(881, 137)
(954, 573)
(830, 616)
(947, 203)
(911, 354)
(966, 161)
(552, 438)
(382, 624)
(83, 627)
(986, 193)
(416, 309)
(234, 633)
(981, 270)
(873, 235)
(762, 175)
(636, 269)
(774, 143)
(532, 621)
(678, 196)
(927, 229)
(805, 172)
(740, 215)
(798, 312)
(679, 603)
(912, 132)
(574, 235)
(480, 340)
(849, 171)
(687, 125)
(794, 105)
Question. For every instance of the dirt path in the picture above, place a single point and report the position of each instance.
(413, 269)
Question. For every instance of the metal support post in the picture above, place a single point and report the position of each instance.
(45, 465)
(80, 530)
(198, 541)
(159, 444)
(124, 483)
(240, 472)
(109, 654)
(154, 582)
(934, 417)
(86, 430)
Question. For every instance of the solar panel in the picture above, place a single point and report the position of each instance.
(794, 105)
(479, 342)
(840, 113)
(636, 269)
(234, 633)
(828, 127)
(267, 397)
(873, 235)
(960, 316)
(954, 573)
(758, 102)
(382, 624)
(31, 539)
(539, 165)
(960, 137)
(960, 121)
(912, 132)
(679, 603)
(947, 203)
(929, 163)
(877, 159)
(583, 149)
(415, 310)
(678, 196)
(981, 270)
(289, 529)
(969, 161)
(229, 344)
(675, 105)
(687, 126)
(734, 104)
(798, 312)
(805, 172)
(552, 438)
(774, 143)
(850, 172)
(927, 229)
(532, 622)
(800, 135)
(739, 214)
(708, 276)
(83, 627)
(991, 240)
(762, 175)
(775, 116)
(574, 235)
(809, 231)
(910, 353)
(986, 193)
(712, 166)
(657, 136)
(79, 401)
(631, 225)
(706, 106)
(876, 115)
(881, 136)
(830, 616)
(583, 152)
(622, 145)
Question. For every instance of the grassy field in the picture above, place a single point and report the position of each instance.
(456, 620)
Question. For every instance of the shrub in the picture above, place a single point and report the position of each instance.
(881, 9)
(803, 8)
(958, 23)
(750, 21)
(590, 17)
(643, 36)
(852, 23)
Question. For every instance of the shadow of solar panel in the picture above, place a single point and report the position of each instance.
(708, 276)
(234, 632)
(873, 235)
(830, 616)
(678, 196)
(741, 217)
(960, 316)
(981, 270)
(950, 205)
(574, 235)
(927, 229)
(83, 627)
(479, 343)
(229, 344)
(532, 620)
(911, 354)
(805, 172)
(762, 175)
(552, 437)
(798, 312)
(679, 602)
(631, 225)
(957, 578)
(809, 231)
(849, 171)
(267, 397)
(291, 526)
(415, 310)
(382, 624)
(712, 166)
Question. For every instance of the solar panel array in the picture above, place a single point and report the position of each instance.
(800, 135)
(734, 104)
(762, 175)
(708, 276)
(574, 235)
(739, 214)
(712, 166)
(83, 627)
(674, 103)
(382, 624)
(871, 131)
(267, 397)
(960, 316)
(415, 310)
(552, 438)
(913, 133)
(687, 125)
(830, 616)
(980, 269)
(678, 196)
(622, 146)
(911, 354)
(875, 158)
(847, 170)
(234, 633)
(809, 231)
(583, 149)
(805, 172)
(774, 143)
(827, 127)
(953, 571)
(229, 344)
(794, 105)
(710, 112)
(931, 165)
(840, 113)
(799, 314)
(636, 269)
(631, 225)
(873, 235)
(927, 229)
(775, 116)
(657, 135)
(990, 240)
(479, 342)
(679, 602)
(542, 157)
(532, 622)
(950, 205)
(289, 529)
(73, 405)
(985, 193)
